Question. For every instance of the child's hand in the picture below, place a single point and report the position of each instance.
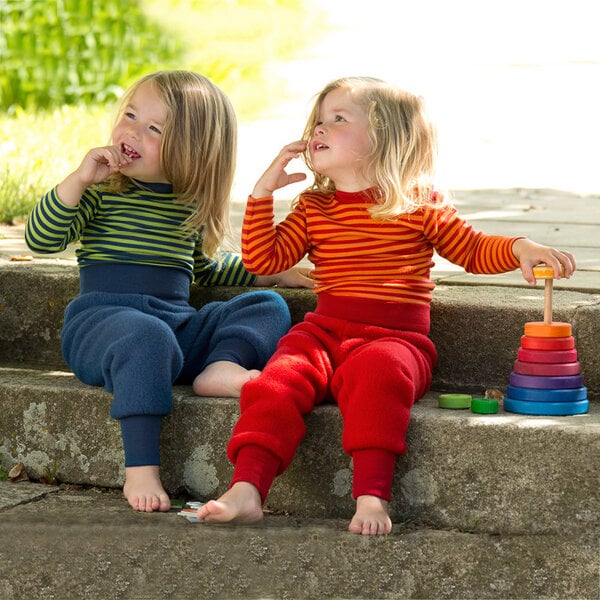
(292, 278)
(275, 176)
(99, 163)
(531, 254)
(95, 167)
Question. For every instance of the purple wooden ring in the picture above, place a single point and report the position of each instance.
(539, 382)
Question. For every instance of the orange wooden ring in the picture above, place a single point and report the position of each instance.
(543, 272)
(547, 330)
(537, 343)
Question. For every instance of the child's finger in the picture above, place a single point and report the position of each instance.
(296, 177)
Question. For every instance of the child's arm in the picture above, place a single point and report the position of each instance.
(457, 241)
(294, 277)
(273, 251)
(529, 254)
(230, 271)
(95, 167)
(60, 215)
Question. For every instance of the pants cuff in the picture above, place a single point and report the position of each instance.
(141, 438)
(236, 351)
(257, 466)
(373, 473)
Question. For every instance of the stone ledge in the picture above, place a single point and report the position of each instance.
(501, 473)
(477, 329)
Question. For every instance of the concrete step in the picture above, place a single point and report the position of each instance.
(476, 328)
(501, 473)
(73, 544)
(496, 506)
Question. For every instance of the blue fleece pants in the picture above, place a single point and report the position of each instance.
(137, 345)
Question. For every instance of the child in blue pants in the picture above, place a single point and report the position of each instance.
(137, 340)
(150, 213)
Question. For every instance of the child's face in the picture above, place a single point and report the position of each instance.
(138, 134)
(340, 142)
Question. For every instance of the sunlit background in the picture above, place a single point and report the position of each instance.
(513, 86)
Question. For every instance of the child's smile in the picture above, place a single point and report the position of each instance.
(129, 151)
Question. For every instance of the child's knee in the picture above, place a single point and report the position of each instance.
(273, 309)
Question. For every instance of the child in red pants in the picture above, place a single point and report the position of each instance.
(370, 224)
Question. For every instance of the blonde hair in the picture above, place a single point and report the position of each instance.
(198, 150)
(404, 145)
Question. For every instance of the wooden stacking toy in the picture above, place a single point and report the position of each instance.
(546, 377)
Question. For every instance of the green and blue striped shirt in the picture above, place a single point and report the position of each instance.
(141, 226)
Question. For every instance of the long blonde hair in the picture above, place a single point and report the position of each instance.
(404, 145)
(198, 150)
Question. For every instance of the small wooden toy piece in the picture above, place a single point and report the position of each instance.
(547, 378)
(547, 273)
(455, 401)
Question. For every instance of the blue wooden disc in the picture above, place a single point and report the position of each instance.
(542, 382)
(537, 395)
(546, 408)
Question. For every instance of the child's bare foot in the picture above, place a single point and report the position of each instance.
(223, 379)
(371, 516)
(240, 504)
(143, 489)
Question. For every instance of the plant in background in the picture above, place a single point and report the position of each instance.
(3, 471)
(75, 51)
(50, 472)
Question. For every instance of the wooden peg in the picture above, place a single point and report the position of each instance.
(547, 273)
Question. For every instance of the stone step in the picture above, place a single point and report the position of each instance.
(484, 506)
(501, 473)
(477, 329)
(73, 544)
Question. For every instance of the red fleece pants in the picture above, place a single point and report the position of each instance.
(374, 373)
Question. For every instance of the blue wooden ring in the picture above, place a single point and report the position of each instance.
(560, 409)
(537, 395)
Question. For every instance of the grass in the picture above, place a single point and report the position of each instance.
(3, 471)
(42, 147)
(235, 43)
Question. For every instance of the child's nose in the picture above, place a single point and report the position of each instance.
(134, 130)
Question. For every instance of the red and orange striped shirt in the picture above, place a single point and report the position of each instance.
(357, 256)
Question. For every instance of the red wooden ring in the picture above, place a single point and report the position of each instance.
(547, 369)
(547, 356)
(536, 343)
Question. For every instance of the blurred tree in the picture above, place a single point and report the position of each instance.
(76, 51)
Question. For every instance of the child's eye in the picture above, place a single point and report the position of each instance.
(155, 129)
(130, 115)
(339, 118)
